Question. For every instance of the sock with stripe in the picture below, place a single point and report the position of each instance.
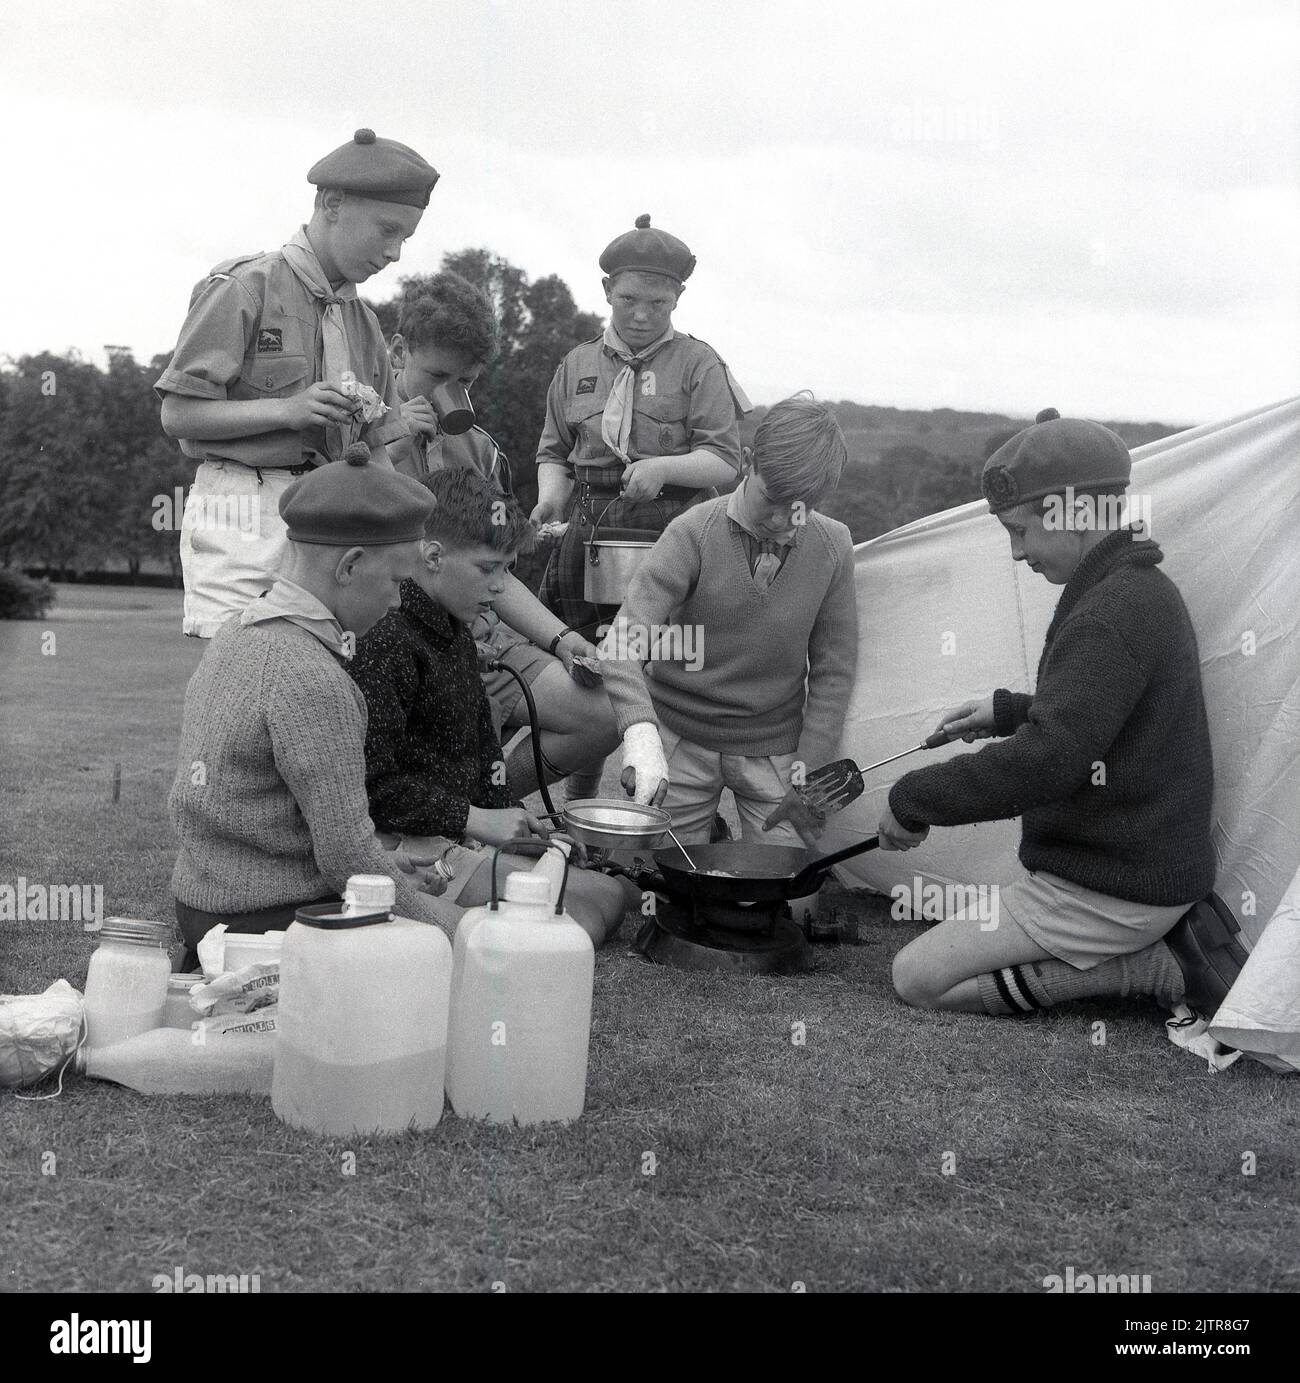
(1042, 983)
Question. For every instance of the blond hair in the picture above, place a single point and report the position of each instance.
(799, 450)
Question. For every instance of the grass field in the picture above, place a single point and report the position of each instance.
(892, 1150)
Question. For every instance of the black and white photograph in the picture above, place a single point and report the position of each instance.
(650, 649)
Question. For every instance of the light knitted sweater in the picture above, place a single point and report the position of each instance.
(776, 666)
(269, 800)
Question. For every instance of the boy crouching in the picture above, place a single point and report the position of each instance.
(269, 800)
(434, 766)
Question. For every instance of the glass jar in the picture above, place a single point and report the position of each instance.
(126, 985)
(177, 1012)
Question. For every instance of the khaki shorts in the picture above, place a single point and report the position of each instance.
(232, 543)
(528, 661)
(697, 776)
(1081, 926)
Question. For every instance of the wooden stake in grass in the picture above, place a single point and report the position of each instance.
(117, 782)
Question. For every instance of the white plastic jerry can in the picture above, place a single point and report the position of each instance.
(520, 1007)
(362, 1040)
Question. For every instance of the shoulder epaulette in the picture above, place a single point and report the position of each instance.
(222, 270)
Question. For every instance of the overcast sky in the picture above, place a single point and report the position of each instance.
(994, 206)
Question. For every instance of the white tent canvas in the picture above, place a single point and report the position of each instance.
(945, 615)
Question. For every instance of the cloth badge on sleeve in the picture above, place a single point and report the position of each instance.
(586, 386)
(269, 339)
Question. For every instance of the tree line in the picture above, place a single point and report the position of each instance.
(88, 478)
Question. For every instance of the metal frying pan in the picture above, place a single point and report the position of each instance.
(740, 872)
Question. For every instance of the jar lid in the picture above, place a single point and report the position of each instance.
(370, 891)
(136, 930)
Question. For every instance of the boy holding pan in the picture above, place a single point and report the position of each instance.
(1108, 764)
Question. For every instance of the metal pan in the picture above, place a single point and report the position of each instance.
(738, 872)
(610, 824)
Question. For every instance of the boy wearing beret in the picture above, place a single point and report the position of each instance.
(279, 366)
(1108, 764)
(446, 336)
(269, 801)
(641, 423)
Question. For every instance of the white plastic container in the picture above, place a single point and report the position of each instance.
(167, 1061)
(554, 867)
(126, 984)
(520, 1009)
(362, 1042)
(252, 948)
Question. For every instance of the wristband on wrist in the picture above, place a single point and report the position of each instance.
(555, 642)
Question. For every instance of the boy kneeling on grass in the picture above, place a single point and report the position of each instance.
(434, 767)
(269, 801)
(758, 586)
(1108, 764)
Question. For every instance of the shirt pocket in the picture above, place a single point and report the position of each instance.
(661, 426)
(274, 376)
(584, 414)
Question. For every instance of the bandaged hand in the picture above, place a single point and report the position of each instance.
(645, 770)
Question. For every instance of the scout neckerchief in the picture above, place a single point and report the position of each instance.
(289, 601)
(336, 360)
(771, 551)
(616, 421)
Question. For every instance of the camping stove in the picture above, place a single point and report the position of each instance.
(755, 938)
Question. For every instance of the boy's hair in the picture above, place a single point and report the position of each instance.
(449, 311)
(799, 450)
(471, 513)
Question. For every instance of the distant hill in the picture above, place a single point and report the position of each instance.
(906, 463)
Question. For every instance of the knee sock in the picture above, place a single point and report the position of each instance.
(585, 782)
(521, 769)
(1042, 983)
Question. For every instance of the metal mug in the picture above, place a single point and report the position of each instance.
(450, 402)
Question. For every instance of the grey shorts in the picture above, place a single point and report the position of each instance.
(1081, 926)
(529, 662)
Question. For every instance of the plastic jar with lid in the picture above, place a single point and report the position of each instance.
(126, 985)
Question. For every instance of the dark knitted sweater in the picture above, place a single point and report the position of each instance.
(1119, 685)
(431, 746)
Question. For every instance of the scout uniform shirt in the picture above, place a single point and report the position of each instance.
(254, 332)
(475, 450)
(683, 400)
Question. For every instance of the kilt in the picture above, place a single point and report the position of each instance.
(598, 501)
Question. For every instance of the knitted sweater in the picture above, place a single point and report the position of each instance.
(269, 800)
(774, 668)
(431, 747)
(1109, 761)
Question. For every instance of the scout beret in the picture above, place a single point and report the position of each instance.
(354, 504)
(378, 168)
(1049, 455)
(648, 251)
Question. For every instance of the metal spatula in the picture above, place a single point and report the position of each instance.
(832, 787)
